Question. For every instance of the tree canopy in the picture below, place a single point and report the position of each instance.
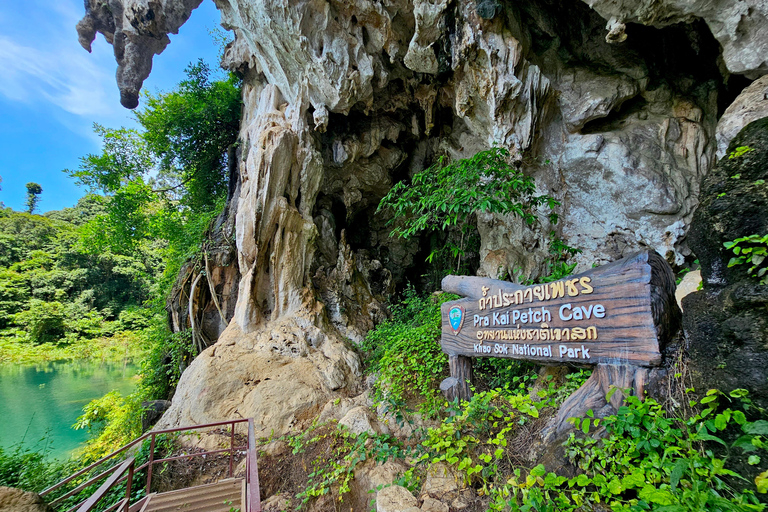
(180, 152)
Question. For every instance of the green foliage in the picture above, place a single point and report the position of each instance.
(447, 195)
(22, 233)
(29, 468)
(333, 469)
(190, 129)
(125, 157)
(647, 460)
(184, 140)
(559, 264)
(91, 281)
(126, 223)
(497, 372)
(739, 152)
(476, 441)
(33, 196)
(111, 421)
(56, 290)
(750, 250)
(43, 321)
(165, 183)
(405, 352)
(168, 355)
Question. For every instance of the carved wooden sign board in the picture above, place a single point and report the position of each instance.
(602, 316)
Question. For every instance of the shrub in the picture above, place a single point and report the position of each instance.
(45, 322)
(750, 250)
(447, 195)
(405, 352)
(29, 468)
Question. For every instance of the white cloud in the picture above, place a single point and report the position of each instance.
(44, 66)
(58, 74)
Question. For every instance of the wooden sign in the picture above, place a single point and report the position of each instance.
(619, 316)
(601, 316)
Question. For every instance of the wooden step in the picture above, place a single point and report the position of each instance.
(223, 496)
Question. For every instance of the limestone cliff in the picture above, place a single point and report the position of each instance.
(611, 106)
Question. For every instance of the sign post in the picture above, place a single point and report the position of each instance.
(620, 315)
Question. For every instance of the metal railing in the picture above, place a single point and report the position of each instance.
(115, 475)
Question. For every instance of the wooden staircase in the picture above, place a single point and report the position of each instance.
(223, 496)
(230, 495)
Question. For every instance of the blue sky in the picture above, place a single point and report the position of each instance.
(52, 91)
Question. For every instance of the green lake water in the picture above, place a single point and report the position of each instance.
(39, 403)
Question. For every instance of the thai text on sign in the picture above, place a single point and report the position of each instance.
(600, 316)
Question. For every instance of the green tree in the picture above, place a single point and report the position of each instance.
(44, 321)
(190, 131)
(170, 172)
(447, 196)
(33, 196)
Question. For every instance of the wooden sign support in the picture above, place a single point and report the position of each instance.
(618, 317)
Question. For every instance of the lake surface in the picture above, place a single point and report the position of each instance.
(39, 403)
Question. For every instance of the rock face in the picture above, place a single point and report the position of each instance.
(138, 30)
(343, 99)
(750, 105)
(281, 376)
(16, 500)
(725, 323)
(741, 27)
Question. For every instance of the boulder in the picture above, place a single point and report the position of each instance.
(441, 482)
(725, 324)
(276, 503)
(151, 411)
(281, 376)
(370, 478)
(358, 421)
(17, 500)
(395, 498)
(750, 105)
(433, 505)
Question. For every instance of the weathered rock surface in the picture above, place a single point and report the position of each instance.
(741, 27)
(280, 375)
(441, 482)
(342, 100)
(750, 105)
(16, 500)
(725, 324)
(690, 283)
(276, 503)
(370, 478)
(433, 505)
(138, 30)
(395, 498)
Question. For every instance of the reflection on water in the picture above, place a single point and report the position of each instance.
(39, 403)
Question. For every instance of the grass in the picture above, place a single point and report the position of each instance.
(124, 346)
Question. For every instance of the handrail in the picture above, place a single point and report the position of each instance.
(252, 477)
(84, 485)
(252, 470)
(91, 502)
(152, 460)
(133, 443)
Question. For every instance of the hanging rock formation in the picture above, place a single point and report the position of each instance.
(741, 27)
(343, 99)
(138, 30)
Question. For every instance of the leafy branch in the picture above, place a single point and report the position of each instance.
(447, 195)
(750, 250)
